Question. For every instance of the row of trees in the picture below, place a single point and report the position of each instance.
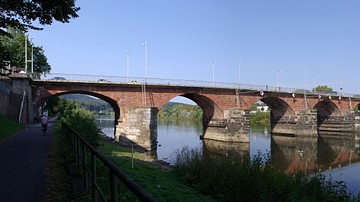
(12, 52)
(16, 17)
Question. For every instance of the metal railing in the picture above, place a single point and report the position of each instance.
(86, 157)
(61, 77)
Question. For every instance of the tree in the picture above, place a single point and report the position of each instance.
(21, 14)
(13, 50)
(323, 89)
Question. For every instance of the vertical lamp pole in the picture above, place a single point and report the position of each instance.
(278, 79)
(341, 84)
(306, 107)
(239, 67)
(145, 49)
(32, 57)
(127, 65)
(144, 85)
(213, 72)
(26, 54)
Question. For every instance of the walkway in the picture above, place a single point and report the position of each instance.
(23, 160)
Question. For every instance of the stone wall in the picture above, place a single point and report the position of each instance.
(5, 89)
(301, 123)
(139, 127)
(235, 127)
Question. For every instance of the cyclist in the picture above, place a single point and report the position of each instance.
(44, 123)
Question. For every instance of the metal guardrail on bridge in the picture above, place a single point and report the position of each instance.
(61, 77)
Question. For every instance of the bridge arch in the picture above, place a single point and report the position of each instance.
(278, 106)
(208, 106)
(109, 100)
(326, 109)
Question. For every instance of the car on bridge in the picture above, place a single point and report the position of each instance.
(58, 78)
(103, 80)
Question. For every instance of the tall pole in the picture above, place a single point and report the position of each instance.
(26, 68)
(145, 49)
(127, 65)
(32, 57)
(239, 68)
(278, 79)
(306, 107)
(144, 85)
(213, 72)
(341, 83)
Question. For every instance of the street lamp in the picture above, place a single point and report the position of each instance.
(145, 49)
(213, 72)
(127, 65)
(278, 79)
(341, 83)
(239, 67)
(305, 103)
(26, 60)
(32, 56)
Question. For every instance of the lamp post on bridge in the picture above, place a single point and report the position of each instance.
(127, 65)
(213, 72)
(239, 67)
(145, 64)
(278, 79)
(305, 104)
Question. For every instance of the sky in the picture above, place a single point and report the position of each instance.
(293, 44)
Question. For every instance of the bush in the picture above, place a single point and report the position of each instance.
(80, 120)
(234, 179)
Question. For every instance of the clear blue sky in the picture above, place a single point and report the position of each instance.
(278, 41)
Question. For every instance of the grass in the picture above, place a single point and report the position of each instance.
(8, 127)
(160, 181)
(58, 187)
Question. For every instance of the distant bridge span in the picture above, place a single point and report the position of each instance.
(226, 108)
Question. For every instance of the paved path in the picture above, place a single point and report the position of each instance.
(22, 164)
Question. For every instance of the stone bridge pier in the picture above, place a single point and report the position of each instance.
(139, 127)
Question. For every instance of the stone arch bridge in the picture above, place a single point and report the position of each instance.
(226, 111)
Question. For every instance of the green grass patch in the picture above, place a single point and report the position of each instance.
(8, 127)
(160, 181)
(57, 182)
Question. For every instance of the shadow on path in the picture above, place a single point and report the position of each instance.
(23, 160)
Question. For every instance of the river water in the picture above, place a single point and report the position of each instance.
(338, 156)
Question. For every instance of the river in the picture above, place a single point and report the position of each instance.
(338, 158)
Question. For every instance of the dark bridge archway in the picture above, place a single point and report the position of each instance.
(325, 111)
(109, 100)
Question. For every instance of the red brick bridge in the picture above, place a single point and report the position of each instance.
(226, 110)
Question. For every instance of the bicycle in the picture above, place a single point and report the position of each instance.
(44, 128)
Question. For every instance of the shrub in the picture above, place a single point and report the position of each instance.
(233, 179)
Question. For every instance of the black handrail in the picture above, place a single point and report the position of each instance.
(79, 142)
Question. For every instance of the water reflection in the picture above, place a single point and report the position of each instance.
(327, 152)
(215, 149)
(324, 152)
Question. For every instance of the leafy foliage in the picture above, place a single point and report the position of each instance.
(260, 119)
(79, 119)
(178, 111)
(21, 14)
(323, 89)
(234, 179)
(12, 49)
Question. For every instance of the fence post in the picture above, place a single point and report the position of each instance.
(113, 187)
(86, 183)
(93, 177)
